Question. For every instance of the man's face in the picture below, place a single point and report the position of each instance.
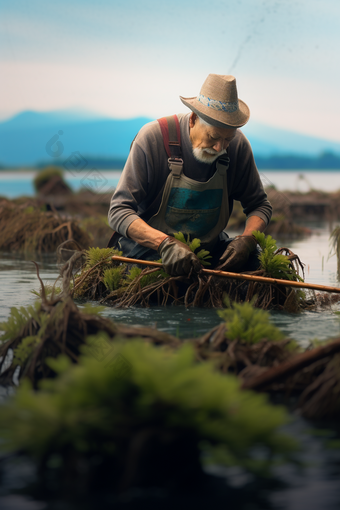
(209, 142)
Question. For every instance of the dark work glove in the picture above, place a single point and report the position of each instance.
(237, 253)
(177, 258)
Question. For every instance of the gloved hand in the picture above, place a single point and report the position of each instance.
(237, 253)
(177, 258)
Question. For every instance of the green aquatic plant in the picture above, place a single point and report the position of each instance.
(248, 324)
(148, 279)
(89, 282)
(48, 328)
(203, 255)
(152, 278)
(96, 412)
(112, 277)
(17, 320)
(25, 349)
(27, 345)
(29, 210)
(134, 272)
(274, 264)
(50, 291)
(96, 255)
(92, 309)
(280, 264)
(16, 326)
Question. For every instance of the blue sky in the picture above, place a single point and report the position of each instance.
(126, 58)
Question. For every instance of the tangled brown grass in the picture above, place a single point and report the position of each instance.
(25, 228)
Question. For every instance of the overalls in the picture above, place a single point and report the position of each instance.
(197, 209)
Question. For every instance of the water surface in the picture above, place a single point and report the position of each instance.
(315, 488)
(18, 278)
(14, 184)
(17, 183)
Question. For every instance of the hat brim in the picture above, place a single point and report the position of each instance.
(218, 118)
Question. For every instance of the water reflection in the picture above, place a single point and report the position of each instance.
(314, 486)
(176, 320)
(18, 278)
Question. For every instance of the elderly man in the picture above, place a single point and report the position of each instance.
(182, 175)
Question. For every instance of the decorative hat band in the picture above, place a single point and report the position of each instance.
(218, 105)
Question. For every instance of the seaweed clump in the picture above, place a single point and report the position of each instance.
(28, 229)
(46, 329)
(125, 422)
(278, 263)
(246, 343)
(50, 181)
(123, 285)
(97, 276)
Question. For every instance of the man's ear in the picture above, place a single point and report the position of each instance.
(192, 120)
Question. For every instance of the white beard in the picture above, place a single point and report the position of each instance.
(207, 155)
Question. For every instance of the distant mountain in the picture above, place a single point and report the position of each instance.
(31, 119)
(32, 137)
(267, 141)
(324, 161)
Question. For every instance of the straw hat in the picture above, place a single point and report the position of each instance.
(218, 103)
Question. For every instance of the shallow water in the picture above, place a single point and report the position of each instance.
(316, 487)
(17, 183)
(18, 278)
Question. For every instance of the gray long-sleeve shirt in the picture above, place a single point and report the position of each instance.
(140, 188)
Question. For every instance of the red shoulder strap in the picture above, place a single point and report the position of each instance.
(171, 136)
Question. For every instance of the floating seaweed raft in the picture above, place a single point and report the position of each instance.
(122, 285)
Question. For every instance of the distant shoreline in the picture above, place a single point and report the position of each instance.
(326, 161)
(269, 169)
(34, 170)
(14, 183)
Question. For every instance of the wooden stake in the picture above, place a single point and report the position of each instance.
(239, 276)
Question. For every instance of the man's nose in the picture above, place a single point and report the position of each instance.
(220, 145)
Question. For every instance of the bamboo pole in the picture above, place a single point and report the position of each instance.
(238, 276)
